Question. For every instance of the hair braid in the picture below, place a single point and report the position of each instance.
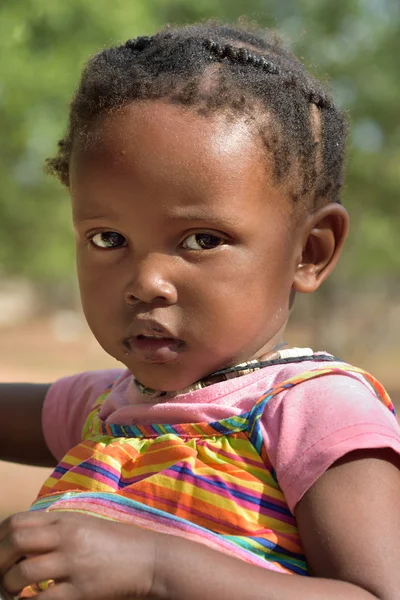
(139, 43)
(241, 55)
(256, 77)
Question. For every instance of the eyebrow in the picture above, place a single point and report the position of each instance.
(196, 214)
(189, 214)
(89, 215)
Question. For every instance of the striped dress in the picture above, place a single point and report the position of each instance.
(212, 483)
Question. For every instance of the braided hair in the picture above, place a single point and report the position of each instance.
(217, 68)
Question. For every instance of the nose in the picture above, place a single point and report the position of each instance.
(151, 283)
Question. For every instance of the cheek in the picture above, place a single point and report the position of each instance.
(240, 290)
(98, 289)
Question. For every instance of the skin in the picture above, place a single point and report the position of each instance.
(156, 183)
(156, 175)
(26, 399)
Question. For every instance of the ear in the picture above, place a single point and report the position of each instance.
(322, 243)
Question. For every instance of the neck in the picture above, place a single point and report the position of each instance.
(230, 372)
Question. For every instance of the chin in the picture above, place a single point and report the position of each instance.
(161, 378)
(164, 384)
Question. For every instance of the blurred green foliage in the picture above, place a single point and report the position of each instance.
(43, 45)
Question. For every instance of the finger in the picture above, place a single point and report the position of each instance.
(61, 591)
(34, 569)
(4, 595)
(27, 540)
(26, 519)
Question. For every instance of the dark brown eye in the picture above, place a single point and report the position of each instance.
(202, 241)
(108, 239)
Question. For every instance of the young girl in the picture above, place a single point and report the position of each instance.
(204, 166)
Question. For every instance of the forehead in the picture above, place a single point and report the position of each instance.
(153, 146)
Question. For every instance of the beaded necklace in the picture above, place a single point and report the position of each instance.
(231, 372)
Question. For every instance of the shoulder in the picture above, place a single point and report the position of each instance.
(68, 403)
(87, 381)
(327, 411)
(326, 380)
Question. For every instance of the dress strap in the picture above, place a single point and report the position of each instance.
(254, 431)
(248, 422)
(92, 424)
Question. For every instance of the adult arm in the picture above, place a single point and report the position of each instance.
(349, 522)
(21, 434)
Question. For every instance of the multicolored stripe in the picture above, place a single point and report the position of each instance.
(209, 482)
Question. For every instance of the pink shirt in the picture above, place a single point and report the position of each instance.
(305, 429)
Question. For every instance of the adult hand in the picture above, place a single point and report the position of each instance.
(87, 557)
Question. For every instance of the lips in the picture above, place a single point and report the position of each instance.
(146, 336)
(152, 342)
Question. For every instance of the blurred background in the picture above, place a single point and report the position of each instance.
(44, 45)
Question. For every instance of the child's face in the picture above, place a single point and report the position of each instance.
(202, 252)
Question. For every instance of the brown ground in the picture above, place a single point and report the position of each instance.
(34, 352)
